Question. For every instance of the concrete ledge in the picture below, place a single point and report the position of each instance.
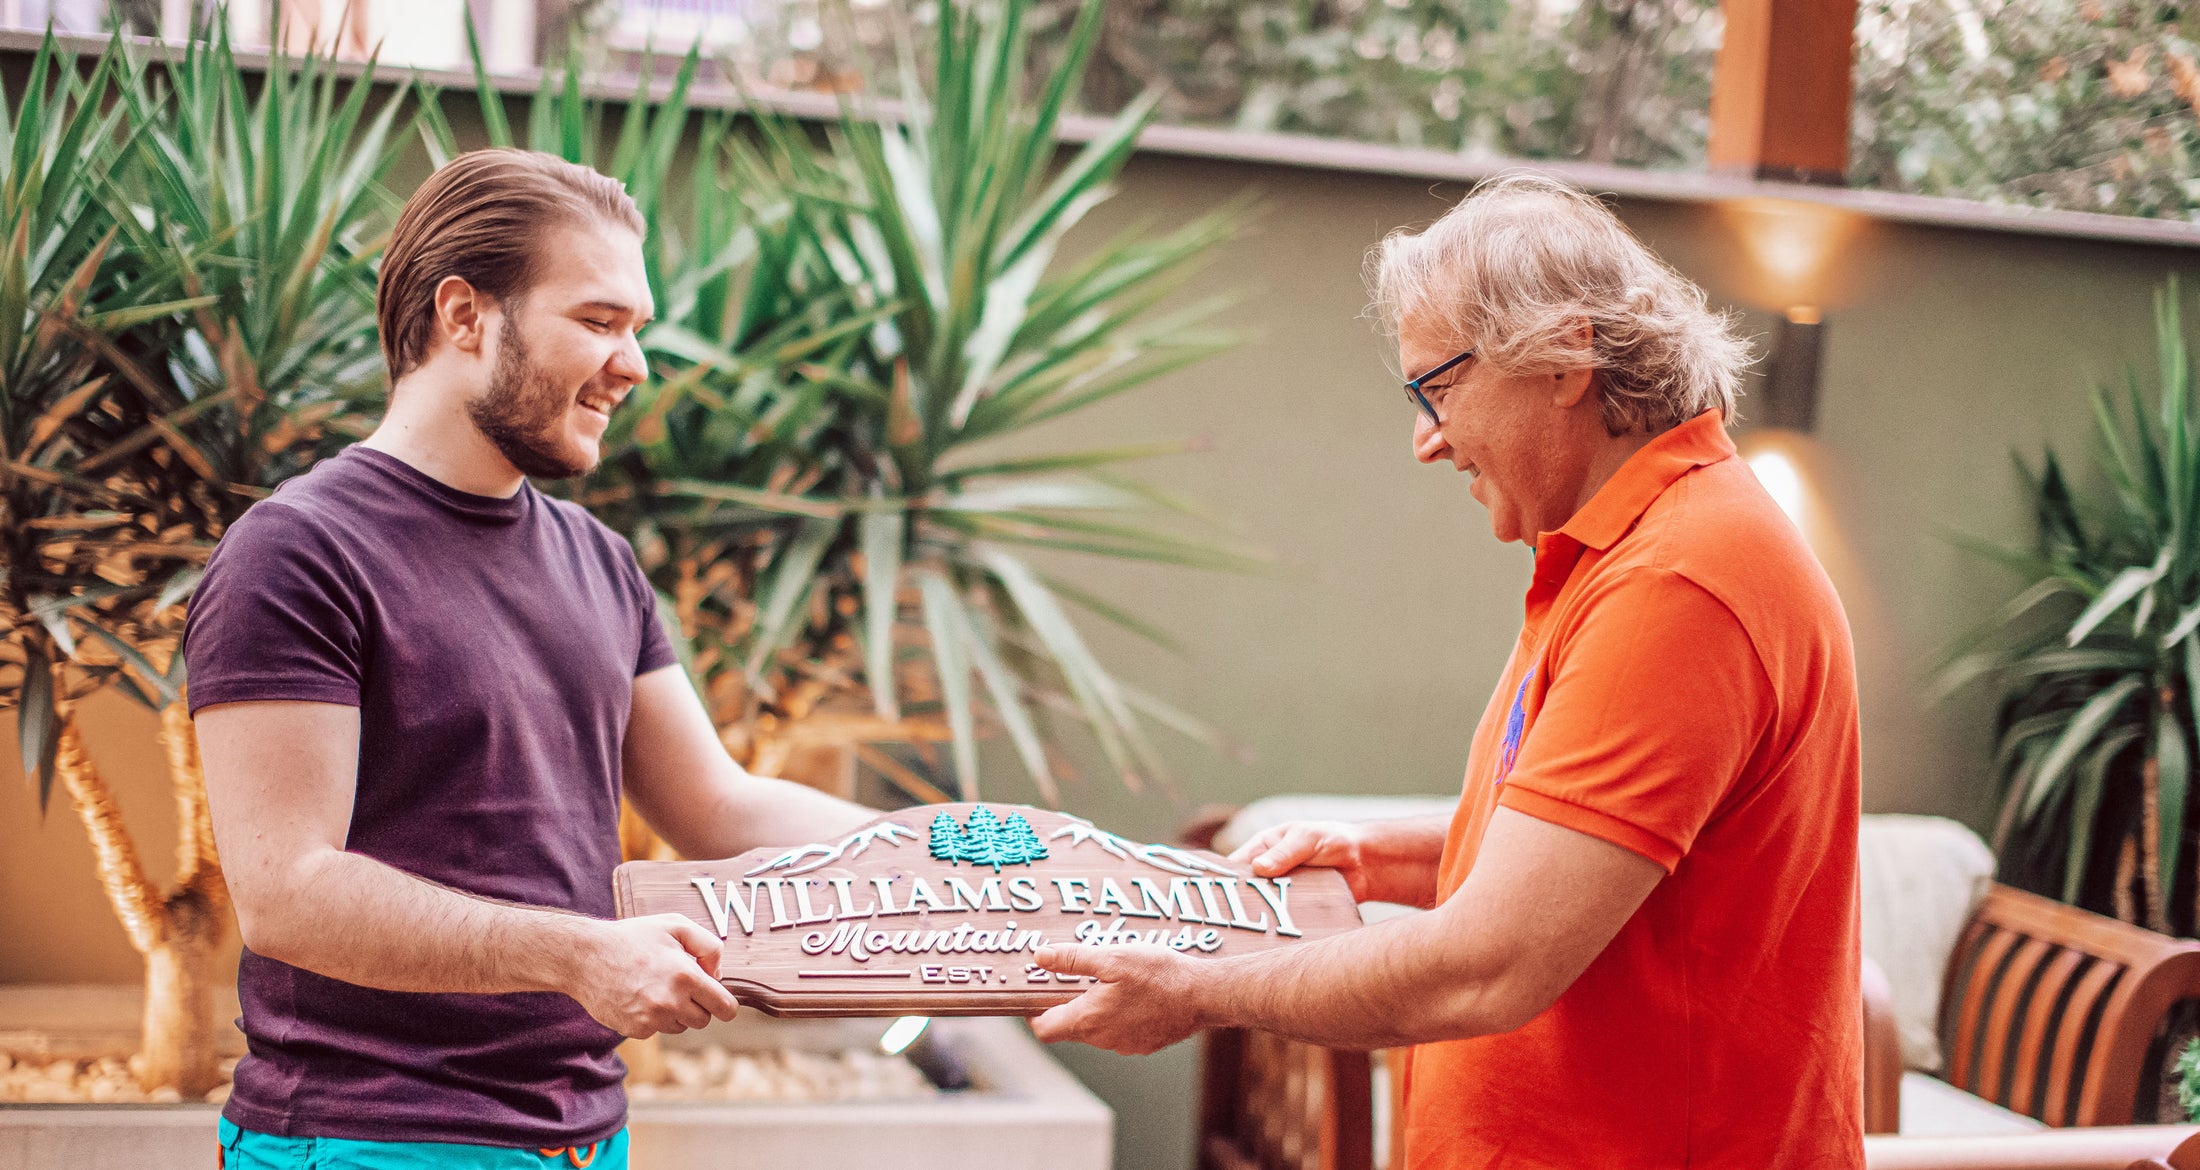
(1024, 1112)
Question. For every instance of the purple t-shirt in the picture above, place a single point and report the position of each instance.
(491, 647)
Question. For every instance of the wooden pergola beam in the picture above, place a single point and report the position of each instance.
(1781, 92)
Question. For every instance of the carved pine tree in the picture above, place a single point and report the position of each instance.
(983, 838)
(1022, 843)
(948, 843)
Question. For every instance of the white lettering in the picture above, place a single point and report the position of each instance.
(921, 891)
(1176, 903)
(1112, 894)
(986, 897)
(1214, 911)
(1278, 901)
(847, 899)
(1075, 902)
(809, 913)
(742, 911)
(1025, 894)
(777, 889)
(1237, 908)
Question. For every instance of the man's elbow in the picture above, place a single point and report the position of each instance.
(1504, 1002)
(262, 928)
(271, 920)
(1513, 1008)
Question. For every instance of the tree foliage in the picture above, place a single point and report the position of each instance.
(2080, 104)
(1619, 81)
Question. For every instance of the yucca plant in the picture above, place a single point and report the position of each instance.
(270, 207)
(961, 211)
(97, 526)
(840, 324)
(267, 212)
(2098, 660)
(82, 515)
(249, 224)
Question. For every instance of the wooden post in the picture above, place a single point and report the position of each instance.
(1780, 95)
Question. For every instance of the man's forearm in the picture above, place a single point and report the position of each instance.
(1400, 982)
(350, 917)
(750, 811)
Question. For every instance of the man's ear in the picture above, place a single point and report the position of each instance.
(1570, 386)
(461, 315)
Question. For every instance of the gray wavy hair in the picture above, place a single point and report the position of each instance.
(1517, 267)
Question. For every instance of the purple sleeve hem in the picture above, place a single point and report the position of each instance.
(656, 657)
(271, 691)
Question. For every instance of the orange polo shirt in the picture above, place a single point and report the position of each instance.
(1683, 688)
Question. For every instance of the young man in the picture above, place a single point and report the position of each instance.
(420, 686)
(1642, 947)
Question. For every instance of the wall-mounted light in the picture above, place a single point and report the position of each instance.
(1787, 410)
(1790, 392)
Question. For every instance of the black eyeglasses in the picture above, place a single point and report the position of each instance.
(1413, 388)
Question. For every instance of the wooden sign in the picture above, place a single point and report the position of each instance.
(940, 910)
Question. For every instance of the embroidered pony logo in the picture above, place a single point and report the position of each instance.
(1516, 726)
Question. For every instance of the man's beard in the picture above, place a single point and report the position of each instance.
(521, 412)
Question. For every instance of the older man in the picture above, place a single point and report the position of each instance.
(1642, 947)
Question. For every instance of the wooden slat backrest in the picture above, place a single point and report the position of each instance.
(2011, 994)
(2081, 1014)
(2033, 1033)
(1273, 1104)
(1978, 975)
(2050, 1010)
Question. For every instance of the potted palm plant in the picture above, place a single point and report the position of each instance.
(2097, 660)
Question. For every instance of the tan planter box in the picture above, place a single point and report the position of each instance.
(1023, 1110)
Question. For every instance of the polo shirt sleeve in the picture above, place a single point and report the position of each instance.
(277, 617)
(1657, 702)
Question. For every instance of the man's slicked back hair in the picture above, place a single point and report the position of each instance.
(481, 218)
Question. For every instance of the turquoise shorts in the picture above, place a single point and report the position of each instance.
(243, 1149)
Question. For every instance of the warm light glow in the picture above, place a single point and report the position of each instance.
(1794, 244)
(1782, 482)
(902, 1033)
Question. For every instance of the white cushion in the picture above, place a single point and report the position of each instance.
(1935, 1108)
(1270, 811)
(1921, 877)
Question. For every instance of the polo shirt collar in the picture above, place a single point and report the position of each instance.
(1642, 479)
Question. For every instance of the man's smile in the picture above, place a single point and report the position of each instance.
(600, 402)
